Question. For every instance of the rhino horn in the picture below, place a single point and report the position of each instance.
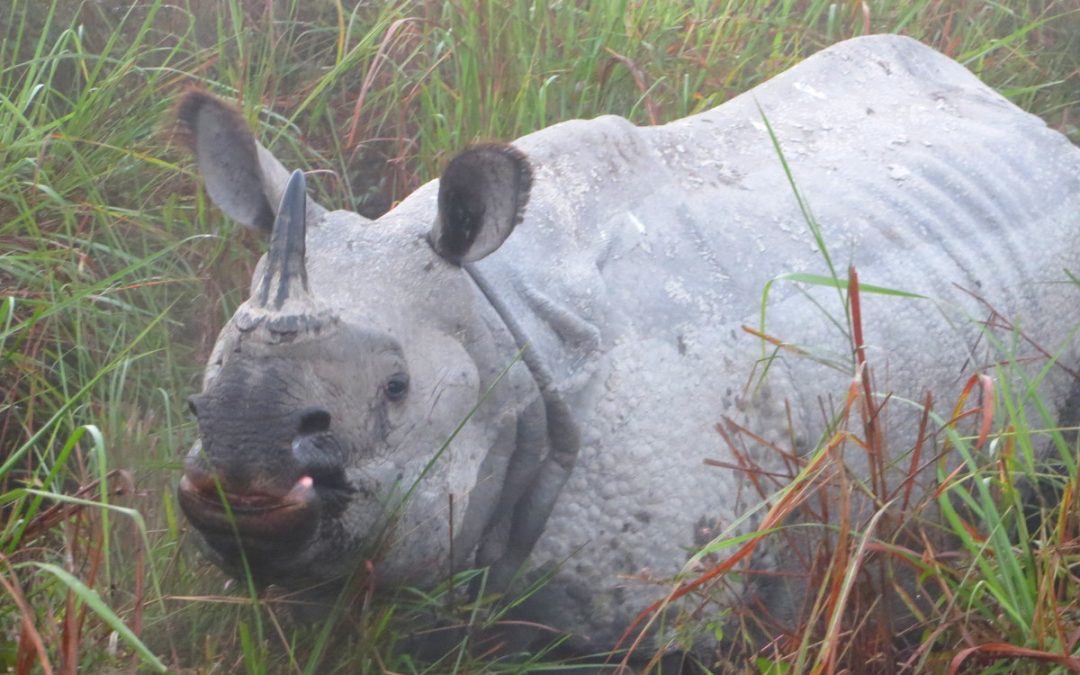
(285, 277)
(282, 298)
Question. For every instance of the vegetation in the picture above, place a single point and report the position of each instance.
(115, 275)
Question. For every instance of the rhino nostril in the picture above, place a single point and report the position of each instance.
(193, 405)
(314, 420)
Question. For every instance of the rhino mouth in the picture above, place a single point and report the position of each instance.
(250, 515)
(267, 526)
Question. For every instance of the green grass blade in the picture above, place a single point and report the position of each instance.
(103, 611)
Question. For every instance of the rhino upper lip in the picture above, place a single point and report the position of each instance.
(250, 503)
(253, 515)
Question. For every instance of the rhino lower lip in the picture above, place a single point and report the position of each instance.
(256, 515)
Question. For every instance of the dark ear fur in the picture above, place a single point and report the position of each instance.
(482, 196)
(226, 151)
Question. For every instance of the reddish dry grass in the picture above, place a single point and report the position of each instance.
(857, 579)
(77, 535)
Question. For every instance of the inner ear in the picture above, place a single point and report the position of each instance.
(228, 158)
(482, 196)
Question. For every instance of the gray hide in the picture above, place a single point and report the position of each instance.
(642, 253)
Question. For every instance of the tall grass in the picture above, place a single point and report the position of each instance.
(891, 590)
(115, 274)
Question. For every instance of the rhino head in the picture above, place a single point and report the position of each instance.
(332, 392)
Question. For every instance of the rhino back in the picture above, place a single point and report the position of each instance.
(645, 251)
(903, 156)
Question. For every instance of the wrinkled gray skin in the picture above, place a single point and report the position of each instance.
(640, 254)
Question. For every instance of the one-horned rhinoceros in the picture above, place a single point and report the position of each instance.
(371, 391)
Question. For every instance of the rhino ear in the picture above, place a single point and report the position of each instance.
(241, 176)
(482, 196)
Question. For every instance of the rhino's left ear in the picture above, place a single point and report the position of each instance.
(482, 196)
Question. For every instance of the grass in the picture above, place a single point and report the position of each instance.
(116, 275)
(1006, 582)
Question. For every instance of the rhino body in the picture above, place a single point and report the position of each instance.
(639, 256)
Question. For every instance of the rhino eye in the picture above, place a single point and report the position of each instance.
(314, 420)
(397, 386)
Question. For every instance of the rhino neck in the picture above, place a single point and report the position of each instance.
(562, 427)
(563, 435)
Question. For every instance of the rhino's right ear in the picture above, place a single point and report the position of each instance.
(482, 196)
(241, 176)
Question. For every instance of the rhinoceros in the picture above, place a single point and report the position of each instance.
(522, 365)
